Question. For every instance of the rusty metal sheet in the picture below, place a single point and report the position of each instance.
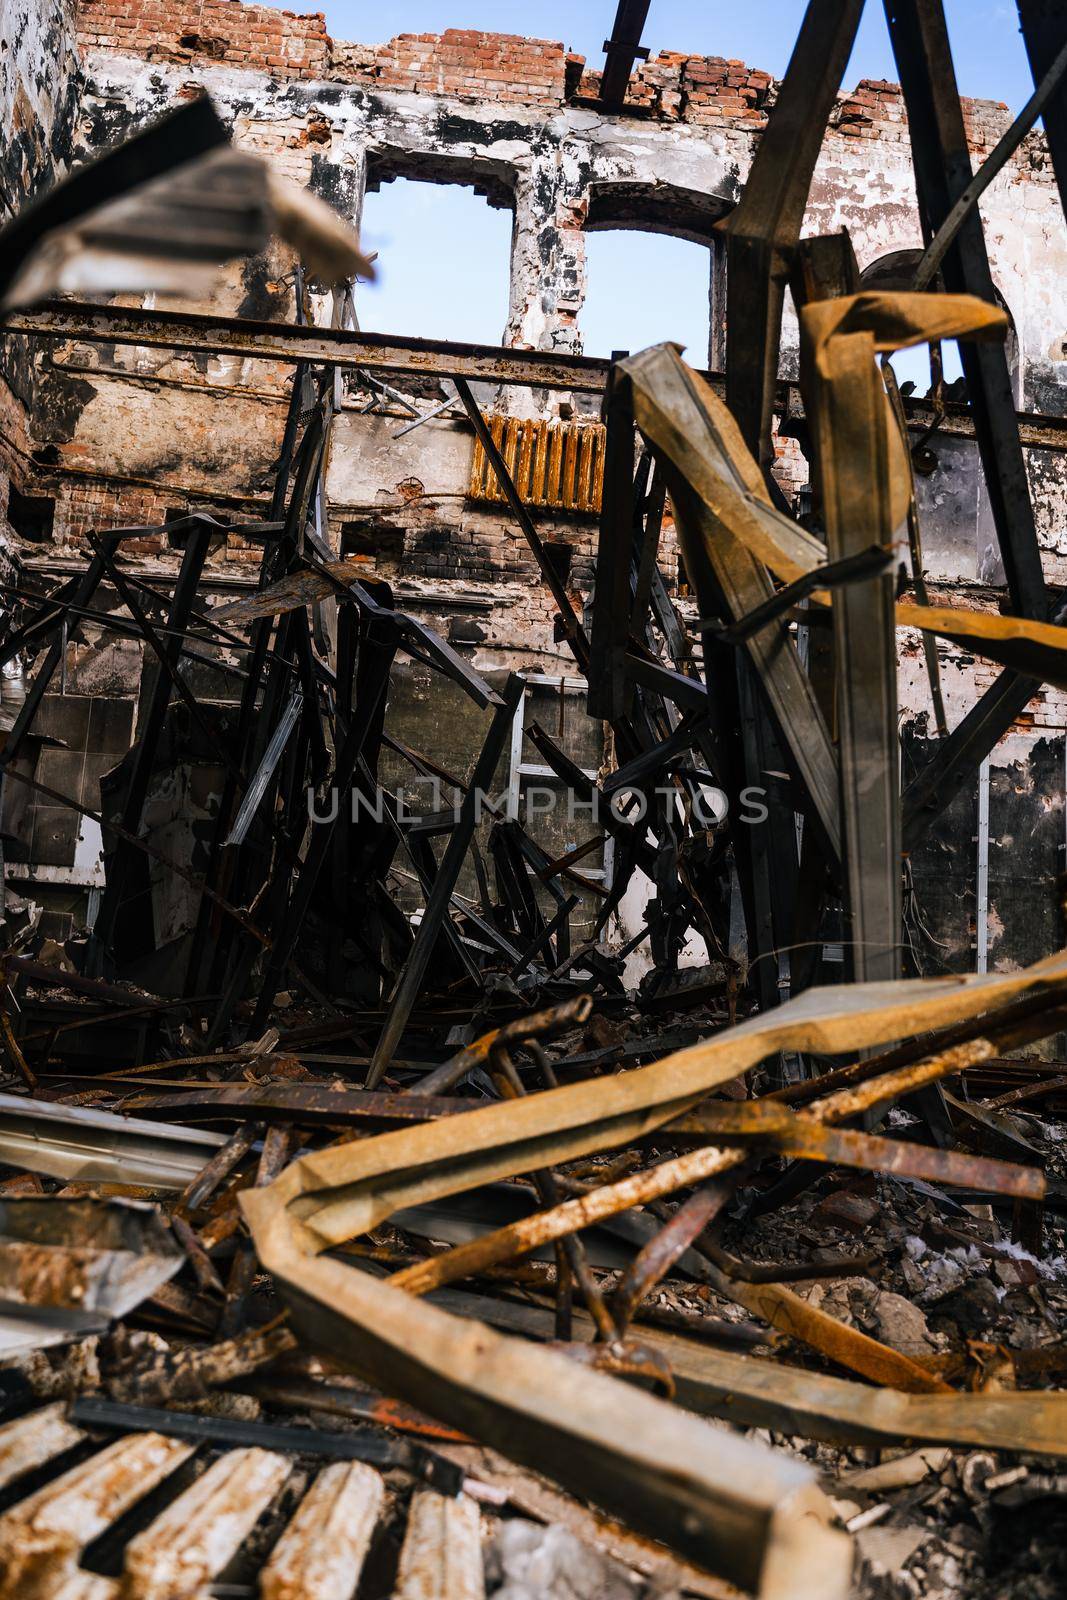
(441, 1558)
(77, 1264)
(30, 1441)
(81, 1144)
(321, 1553)
(604, 1441)
(41, 1536)
(190, 1542)
(780, 1306)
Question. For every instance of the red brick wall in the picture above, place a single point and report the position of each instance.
(88, 505)
(701, 89)
(91, 504)
(463, 62)
(466, 64)
(226, 31)
(875, 110)
(460, 62)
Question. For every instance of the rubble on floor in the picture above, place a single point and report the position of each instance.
(365, 1235)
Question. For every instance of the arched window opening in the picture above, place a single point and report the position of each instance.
(896, 271)
(655, 271)
(443, 259)
(642, 289)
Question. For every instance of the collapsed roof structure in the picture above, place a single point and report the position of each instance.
(508, 857)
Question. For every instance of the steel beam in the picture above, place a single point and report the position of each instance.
(942, 162)
(280, 341)
(411, 979)
(1044, 28)
(764, 228)
(612, 600)
(530, 369)
(623, 49)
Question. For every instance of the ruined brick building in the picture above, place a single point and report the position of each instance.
(95, 435)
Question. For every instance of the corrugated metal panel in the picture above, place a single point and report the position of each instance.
(559, 465)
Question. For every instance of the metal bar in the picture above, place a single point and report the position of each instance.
(608, 694)
(623, 49)
(168, 659)
(218, 1169)
(540, 1024)
(655, 1259)
(765, 226)
(732, 572)
(376, 1448)
(380, 642)
(648, 525)
(981, 910)
(546, 1182)
(196, 551)
(494, 364)
(82, 594)
(918, 576)
(957, 758)
(741, 1509)
(303, 1104)
(997, 158)
(257, 788)
(686, 692)
(418, 960)
(341, 347)
(1044, 28)
(575, 632)
(651, 762)
(850, 569)
(851, 459)
(516, 1239)
(226, 906)
(942, 163)
(769, 1394)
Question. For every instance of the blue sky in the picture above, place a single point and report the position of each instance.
(443, 253)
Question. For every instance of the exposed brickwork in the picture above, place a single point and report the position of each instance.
(86, 506)
(461, 62)
(700, 89)
(875, 110)
(224, 31)
(466, 64)
(475, 548)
